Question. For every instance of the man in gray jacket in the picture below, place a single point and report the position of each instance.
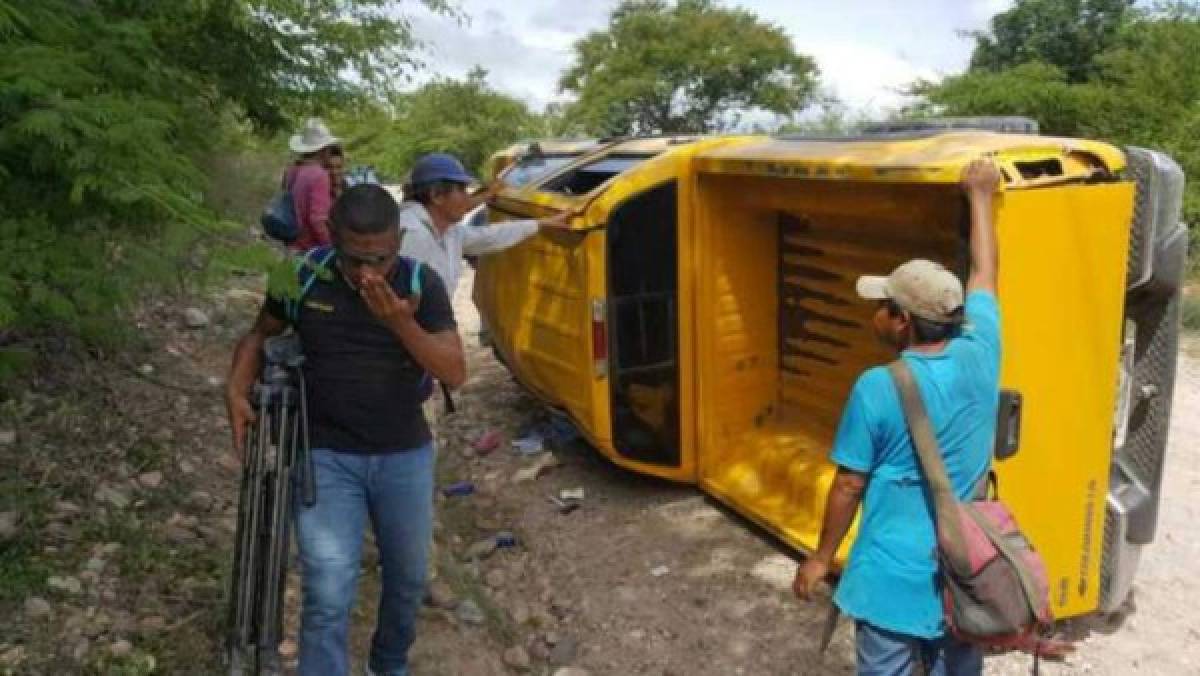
(431, 220)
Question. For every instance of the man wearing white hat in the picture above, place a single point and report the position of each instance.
(952, 347)
(310, 184)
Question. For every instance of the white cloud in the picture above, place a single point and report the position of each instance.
(866, 49)
(866, 77)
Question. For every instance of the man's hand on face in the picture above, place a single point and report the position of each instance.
(980, 179)
(241, 416)
(808, 576)
(383, 302)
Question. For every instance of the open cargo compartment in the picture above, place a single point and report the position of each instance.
(777, 310)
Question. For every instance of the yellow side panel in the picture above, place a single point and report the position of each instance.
(766, 420)
(535, 298)
(1062, 275)
(781, 333)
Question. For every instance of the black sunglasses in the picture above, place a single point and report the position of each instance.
(356, 260)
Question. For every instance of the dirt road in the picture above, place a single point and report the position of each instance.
(650, 577)
(132, 507)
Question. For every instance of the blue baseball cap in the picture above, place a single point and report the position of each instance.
(439, 167)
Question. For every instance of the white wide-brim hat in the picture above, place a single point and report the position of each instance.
(314, 136)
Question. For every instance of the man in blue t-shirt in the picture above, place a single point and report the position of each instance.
(890, 585)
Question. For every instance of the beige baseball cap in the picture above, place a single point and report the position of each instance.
(924, 288)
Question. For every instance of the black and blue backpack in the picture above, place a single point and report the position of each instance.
(278, 218)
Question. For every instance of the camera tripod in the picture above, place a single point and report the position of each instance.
(277, 460)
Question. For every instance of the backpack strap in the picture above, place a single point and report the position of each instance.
(307, 274)
(414, 289)
(930, 455)
(414, 282)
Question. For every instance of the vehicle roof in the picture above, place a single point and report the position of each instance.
(924, 156)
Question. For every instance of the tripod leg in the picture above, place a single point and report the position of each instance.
(244, 586)
(275, 561)
(308, 476)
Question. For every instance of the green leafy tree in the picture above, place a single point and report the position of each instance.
(107, 109)
(1068, 34)
(283, 59)
(683, 67)
(465, 117)
(1143, 89)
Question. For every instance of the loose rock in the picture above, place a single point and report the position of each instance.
(468, 612)
(520, 612)
(69, 585)
(517, 658)
(120, 648)
(113, 495)
(64, 508)
(81, 649)
(495, 578)
(201, 500)
(150, 479)
(8, 525)
(36, 607)
(8, 437)
(564, 652)
(180, 535)
(441, 596)
(572, 671)
(481, 550)
(13, 656)
(194, 318)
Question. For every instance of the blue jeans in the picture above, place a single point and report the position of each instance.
(396, 491)
(886, 653)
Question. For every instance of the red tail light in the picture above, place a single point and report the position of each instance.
(599, 338)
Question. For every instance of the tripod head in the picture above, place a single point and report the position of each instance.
(282, 359)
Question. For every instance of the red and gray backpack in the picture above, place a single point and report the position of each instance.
(994, 584)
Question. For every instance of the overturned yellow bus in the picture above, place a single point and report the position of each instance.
(699, 323)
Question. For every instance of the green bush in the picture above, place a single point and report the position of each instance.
(1191, 312)
(111, 116)
(100, 196)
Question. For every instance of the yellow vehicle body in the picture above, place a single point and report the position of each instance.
(700, 322)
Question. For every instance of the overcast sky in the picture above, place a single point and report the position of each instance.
(866, 49)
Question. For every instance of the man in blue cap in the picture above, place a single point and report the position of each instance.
(432, 226)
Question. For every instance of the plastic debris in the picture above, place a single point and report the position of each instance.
(529, 445)
(564, 507)
(553, 431)
(458, 489)
(659, 571)
(487, 442)
(505, 539)
(545, 462)
(481, 550)
(568, 494)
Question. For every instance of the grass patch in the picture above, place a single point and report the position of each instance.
(1191, 312)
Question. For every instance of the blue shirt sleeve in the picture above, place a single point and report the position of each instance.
(854, 446)
(983, 325)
